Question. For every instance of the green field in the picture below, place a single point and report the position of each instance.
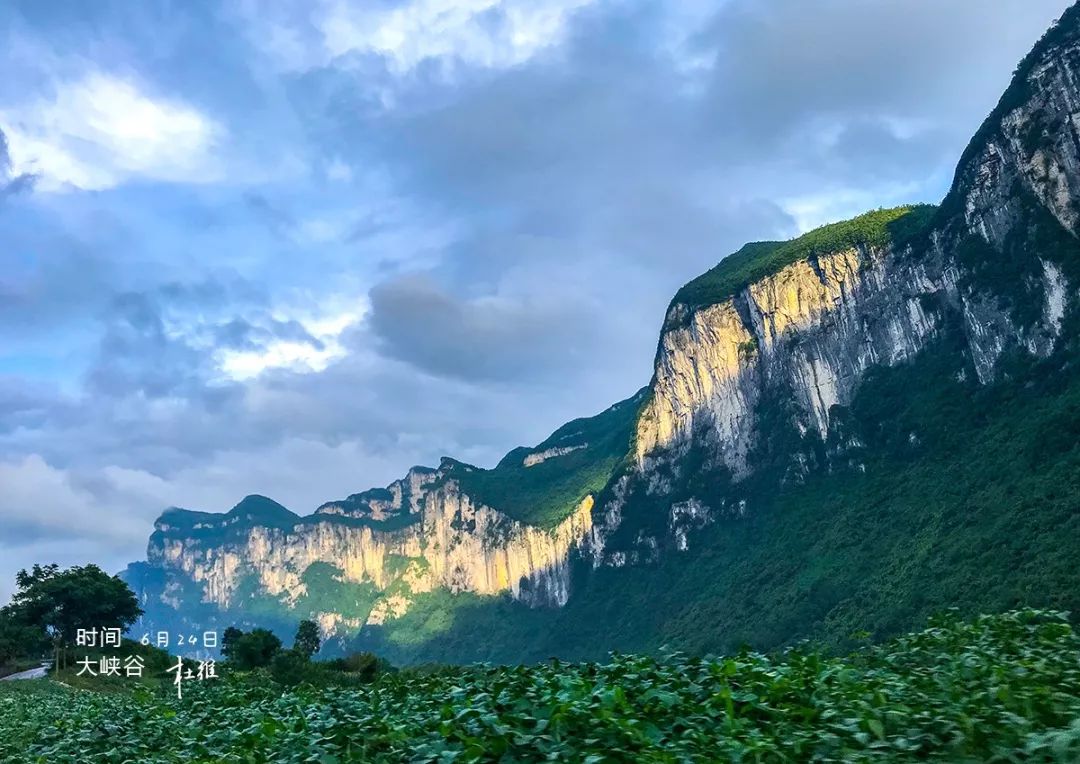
(998, 688)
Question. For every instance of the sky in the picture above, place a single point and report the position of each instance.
(295, 247)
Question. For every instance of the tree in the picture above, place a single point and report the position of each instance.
(307, 640)
(228, 640)
(366, 666)
(290, 667)
(253, 649)
(61, 602)
(19, 639)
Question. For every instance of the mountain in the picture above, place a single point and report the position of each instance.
(843, 433)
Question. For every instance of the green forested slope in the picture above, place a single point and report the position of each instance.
(547, 492)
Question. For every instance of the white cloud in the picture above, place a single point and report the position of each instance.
(494, 33)
(98, 131)
(288, 354)
(322, 229)
(282, 354)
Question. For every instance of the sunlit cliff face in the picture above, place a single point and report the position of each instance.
(805, 327)
(457, 544)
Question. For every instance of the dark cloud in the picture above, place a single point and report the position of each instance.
(164, 342)
(274, 217)
(567, 130)
(138, 355)
(565, 137)
(785, 68)
(213, 292)
(484, 339)
(24, 405)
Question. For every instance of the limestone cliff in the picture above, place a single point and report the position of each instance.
(454, 543)
(366, 558)
(872, 291)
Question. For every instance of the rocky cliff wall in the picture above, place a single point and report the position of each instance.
(807, 333)
(457, 544)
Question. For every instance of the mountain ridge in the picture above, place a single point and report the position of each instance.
(759, 391)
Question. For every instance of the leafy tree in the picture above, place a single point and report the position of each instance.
(19, 639)
(228, 640)
(253, 649)
(307, 640)
(290, 667)
(60, 602)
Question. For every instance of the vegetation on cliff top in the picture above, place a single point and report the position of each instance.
(1000, 688)
(757, 260)
(253, 510)
(261, 512)
(547, 492)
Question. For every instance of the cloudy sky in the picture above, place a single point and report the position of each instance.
(293, 248)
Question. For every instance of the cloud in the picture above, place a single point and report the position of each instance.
(492, 33)
(40, 502)
(187, 339)
(100, 130)
(276, 219)
(245, 350)
(339, 171)
(242, 334)
(12, 183)
(488, 338)
(138, 354)
(24, 405)
(785, 69)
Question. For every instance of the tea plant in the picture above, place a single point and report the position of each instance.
(1000, 688)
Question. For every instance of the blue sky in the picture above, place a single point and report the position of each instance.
(293, 248)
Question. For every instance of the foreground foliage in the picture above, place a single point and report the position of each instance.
(1000, 688)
